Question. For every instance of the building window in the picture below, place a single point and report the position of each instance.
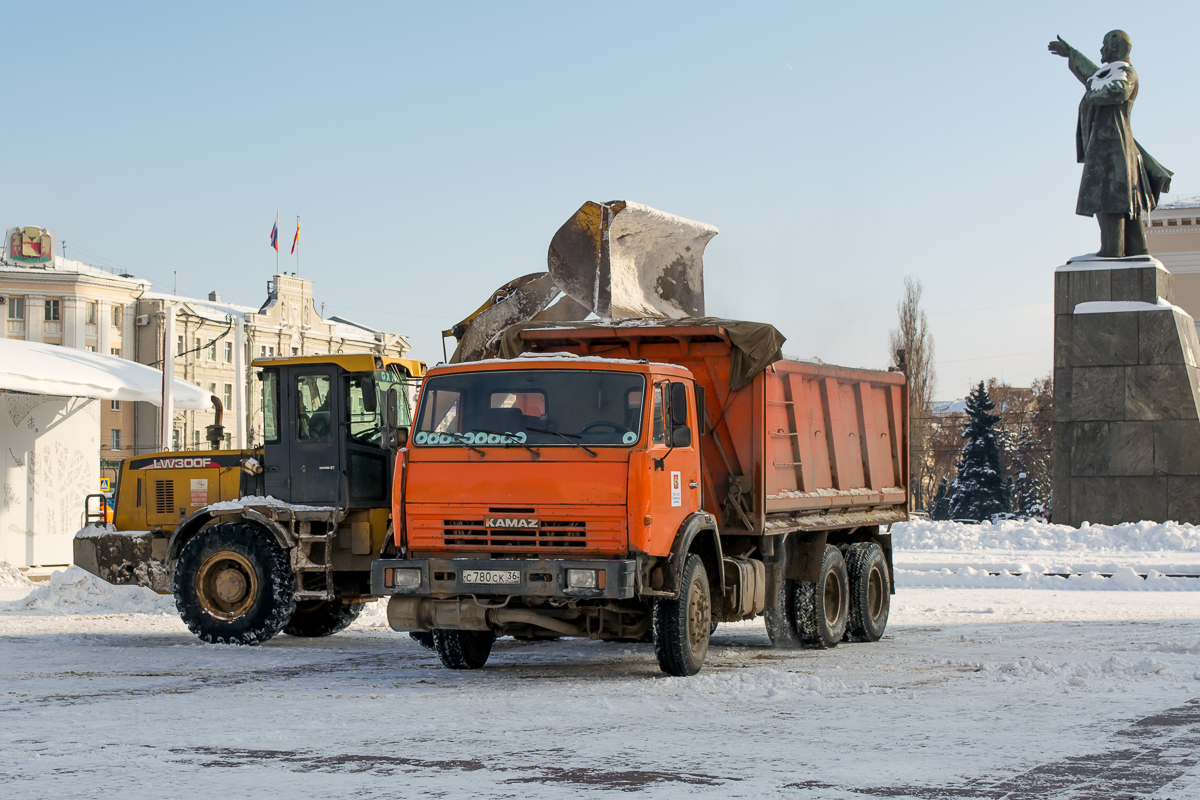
(175, 437)
(114, 439)
(229, 352)
(228, 440)
(52, 311)
(212, 350)
(1156, 223)
(228, 400)
(16, 308)
(91, 348)
(1171, 223)
(90, 312)
(116, 351)
(118, 315)
(295, 351)
(1186, 222)
(114, 405)
(212, 390)
(178, 345)
(196, 346)
(196, 439)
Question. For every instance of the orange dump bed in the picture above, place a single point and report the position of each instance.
(801, 446)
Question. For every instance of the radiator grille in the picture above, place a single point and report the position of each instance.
(164, 497)
(553, 534)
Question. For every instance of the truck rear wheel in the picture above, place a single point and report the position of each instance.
(463, 649)
(234, 585)
(682, 626)
(321, 618)
(870, 592)
(780, 617)
(822, 606)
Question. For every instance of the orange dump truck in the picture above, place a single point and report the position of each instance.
(645, 479)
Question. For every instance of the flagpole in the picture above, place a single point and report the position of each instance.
(276, 242)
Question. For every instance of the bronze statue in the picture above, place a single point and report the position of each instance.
(1121, 182)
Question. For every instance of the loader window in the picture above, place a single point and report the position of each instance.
(366, 427)
(312, 407)
(270, 401)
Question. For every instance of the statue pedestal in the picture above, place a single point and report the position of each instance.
(1126, 441)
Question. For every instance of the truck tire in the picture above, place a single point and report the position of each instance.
(682, 625)
(870, 592)
(234, 585)
(463, 649)
(321, 618)
(822, 606)
(780, 617)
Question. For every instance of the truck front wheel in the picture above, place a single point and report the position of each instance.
(822, 606)
(682, 626)
(780, 616)
(234, 585)
(870, 592)
(463, 649)
(321, 618)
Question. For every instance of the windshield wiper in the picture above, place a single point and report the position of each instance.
(566, 437)
(508, 436)
(458, 437)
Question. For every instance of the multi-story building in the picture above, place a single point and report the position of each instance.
(51, 299)
(1173, 237)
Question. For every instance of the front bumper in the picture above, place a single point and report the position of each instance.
(443, 577)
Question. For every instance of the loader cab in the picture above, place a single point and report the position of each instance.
(322, 427)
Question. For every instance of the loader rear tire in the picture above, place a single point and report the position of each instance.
(682, 626)
(870, 592)
(234, 585)
(321, 618)
(822, 606)
(463, 649)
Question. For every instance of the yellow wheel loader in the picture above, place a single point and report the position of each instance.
(277, 538)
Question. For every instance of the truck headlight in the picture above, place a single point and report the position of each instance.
(582, 579)
(406, 578)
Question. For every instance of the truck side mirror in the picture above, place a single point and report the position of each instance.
(681, 436)
(401, 436)
(369, 398)
(679, 395)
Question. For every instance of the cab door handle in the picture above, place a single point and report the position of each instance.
(329, 467)
(693, 485)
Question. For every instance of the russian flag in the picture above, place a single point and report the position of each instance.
(275, 235)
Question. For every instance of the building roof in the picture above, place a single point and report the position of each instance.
(1183, 202)
(37, 368)
(209, 309)
(64, 267)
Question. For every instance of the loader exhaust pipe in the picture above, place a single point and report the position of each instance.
(215, 433)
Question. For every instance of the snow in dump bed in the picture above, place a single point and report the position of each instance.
(1010, 535)
(74, 591)
(255, 500)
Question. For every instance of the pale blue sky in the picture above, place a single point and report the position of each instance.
(432, 151)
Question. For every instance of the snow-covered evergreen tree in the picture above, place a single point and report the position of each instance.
(978, 490)
(1030, 498)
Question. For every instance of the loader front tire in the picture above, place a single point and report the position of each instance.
(321, 618)
(463, 649)
(682, 626)
(233, 585)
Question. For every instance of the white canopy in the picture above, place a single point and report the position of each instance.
(39, 368)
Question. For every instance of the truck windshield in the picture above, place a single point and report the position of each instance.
(554, 408)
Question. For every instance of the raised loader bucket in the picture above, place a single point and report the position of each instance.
(517, 301)
(623, 260)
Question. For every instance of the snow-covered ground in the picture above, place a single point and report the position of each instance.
(1011, 688)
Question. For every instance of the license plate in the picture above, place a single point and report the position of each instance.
(495, 577)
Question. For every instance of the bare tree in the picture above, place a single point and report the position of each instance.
(912, 350)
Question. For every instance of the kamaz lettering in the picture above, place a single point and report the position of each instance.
(512, 522)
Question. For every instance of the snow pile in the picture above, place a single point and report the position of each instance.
(1074, 674)
(1123, 579)
(74, 591)
(11, 577)
(1030, 535)
(256, 500)
(766, 682)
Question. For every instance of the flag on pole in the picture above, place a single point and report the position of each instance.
(296, 238)
(275, 234)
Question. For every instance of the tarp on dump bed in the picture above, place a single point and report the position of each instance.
(756, 345)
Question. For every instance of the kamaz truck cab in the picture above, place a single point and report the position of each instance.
(280, 537)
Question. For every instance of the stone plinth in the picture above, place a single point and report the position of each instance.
(1126, 395)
